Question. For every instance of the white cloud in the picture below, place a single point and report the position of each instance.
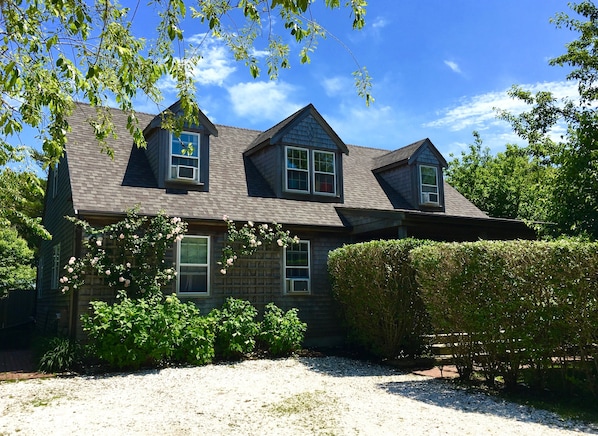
(338, 86)
(214, 67)
(379, 22)
(259, 101)
(453, 66)
(479, 112)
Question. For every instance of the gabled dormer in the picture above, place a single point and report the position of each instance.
(301, 158)
(414, 174)
(180, 161)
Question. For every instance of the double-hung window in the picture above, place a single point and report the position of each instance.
(193, 265)
(296, 266)
(184, 157)
(297, 171)
(310, 173)
(55, 266)
(428, 177)
(324, 174)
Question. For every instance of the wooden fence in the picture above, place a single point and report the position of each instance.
(17, 309)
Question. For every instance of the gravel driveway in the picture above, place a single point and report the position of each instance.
(294, 396)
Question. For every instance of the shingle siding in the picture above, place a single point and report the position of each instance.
(52, 312)
(309, 133)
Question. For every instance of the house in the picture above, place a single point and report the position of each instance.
(299, 173)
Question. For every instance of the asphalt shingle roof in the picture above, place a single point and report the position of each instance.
(236, 188)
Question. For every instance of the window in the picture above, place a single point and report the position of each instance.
(320, 169)
(296, 267)
(55, 266)
(184, 157)
(428, 177)
(297, 169)
(193, 253)
(324, 174)
(54, 181)
(40, 275)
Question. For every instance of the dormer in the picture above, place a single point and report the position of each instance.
(180, 161)
(301, 158)
(414, 173)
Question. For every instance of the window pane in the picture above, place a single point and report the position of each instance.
(430, 189)
(324, 162)
(296, 158)
(194, 251)
(297, 180)
(428, 175)
(324, 183)
(187, 142)
(297, 273)
(193, 279)
(297, 254)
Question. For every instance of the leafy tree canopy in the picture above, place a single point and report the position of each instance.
(55, 51)
(16, 270)
(574, 187)
(510, 184)
(22, 200)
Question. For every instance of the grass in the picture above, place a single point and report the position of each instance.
(314, 412)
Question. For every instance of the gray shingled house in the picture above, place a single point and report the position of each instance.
(299, 173)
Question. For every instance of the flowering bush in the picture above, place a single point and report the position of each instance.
(128, 255)
(250, 237)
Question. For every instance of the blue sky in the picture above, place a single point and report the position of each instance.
(439, 69)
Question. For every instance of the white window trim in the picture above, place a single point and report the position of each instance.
(178, 268)
(422, 184)
(171, 155)
(286, 170)
(308, 267)
(55, 266)
(40, 275)
(55, 181)
(331, 194)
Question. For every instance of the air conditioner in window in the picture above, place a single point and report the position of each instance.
(297, 285)
(430, 198)
(185, 173)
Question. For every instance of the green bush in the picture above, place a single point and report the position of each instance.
(60, 354)
(375, 284)
(519, 302)
(132, 333)
(235, 329)
(281, 333)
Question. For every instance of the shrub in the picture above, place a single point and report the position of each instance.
(60, 355)
(132, 333)
(235, 329)
(375, 284)
(519, 302)
(281, 333)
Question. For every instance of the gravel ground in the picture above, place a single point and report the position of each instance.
(294, 396)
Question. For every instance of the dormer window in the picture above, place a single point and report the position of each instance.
(428, 177)
(310, 173)
(184, 157)
(297, 173)
(324, 174)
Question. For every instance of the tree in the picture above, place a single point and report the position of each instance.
(510, 184)
(55, 51)
(22, 199)
(573, 203)
(16, 269)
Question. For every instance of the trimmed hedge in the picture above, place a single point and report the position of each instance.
(516, 303)
(375, 284)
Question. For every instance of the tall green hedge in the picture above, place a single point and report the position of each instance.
(375, 284)
(516, 303)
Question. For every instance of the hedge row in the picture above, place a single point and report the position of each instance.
(375, 284)
(518, 303)
(509, 304)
